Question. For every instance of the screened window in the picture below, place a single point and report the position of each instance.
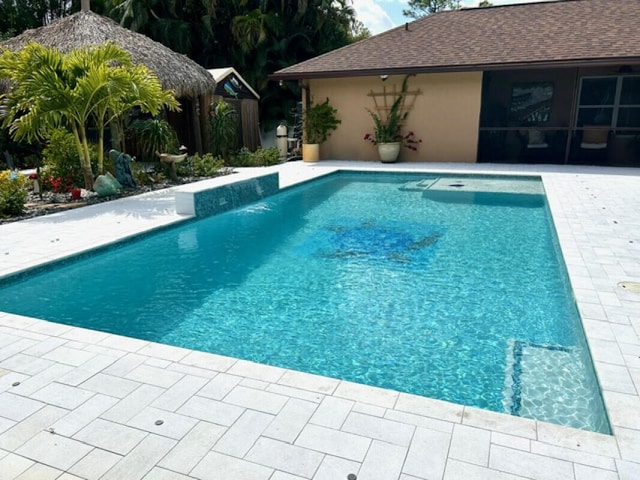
(610, 102)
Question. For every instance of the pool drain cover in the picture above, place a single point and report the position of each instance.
(630, 286)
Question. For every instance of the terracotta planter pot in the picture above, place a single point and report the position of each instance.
(388, 152)
(310, 152)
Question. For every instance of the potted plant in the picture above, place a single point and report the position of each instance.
(319, 121)
(387, 133)
(76, 193)
(389, 151)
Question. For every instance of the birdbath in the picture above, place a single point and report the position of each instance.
(172, 159)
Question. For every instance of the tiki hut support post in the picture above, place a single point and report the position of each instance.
(195, 113)
(84, 5)
(204, 104)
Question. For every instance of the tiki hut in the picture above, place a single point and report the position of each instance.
(190, 82)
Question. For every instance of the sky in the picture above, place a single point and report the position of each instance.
(381, 15)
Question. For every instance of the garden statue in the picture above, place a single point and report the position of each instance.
(122, 163)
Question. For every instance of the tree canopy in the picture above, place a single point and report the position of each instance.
(16, 16)
(257, 37)
(422, 8)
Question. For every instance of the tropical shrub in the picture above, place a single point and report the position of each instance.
(201, 166)
(140, 174)
(60, 167)
(154, 136)
(223, 120)
(319, 121)
(157, 177)
(13, 193)
(262, 157)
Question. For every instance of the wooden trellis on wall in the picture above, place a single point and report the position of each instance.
(384, 100)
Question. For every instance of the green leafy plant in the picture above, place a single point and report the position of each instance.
(319, 121)
(154, 136)
(262, 157)
(140, 174)
(388, 129)
(201, 166)
(13, 193)
(157, 177)
(60, 167)
(223, 120)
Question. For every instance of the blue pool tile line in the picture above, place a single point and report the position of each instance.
(516, 375)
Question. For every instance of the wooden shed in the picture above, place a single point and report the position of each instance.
(233, 89)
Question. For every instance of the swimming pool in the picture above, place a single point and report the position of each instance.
(384, 280)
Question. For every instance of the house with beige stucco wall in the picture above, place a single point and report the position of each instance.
(550, 82)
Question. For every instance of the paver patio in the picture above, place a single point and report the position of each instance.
(81, 404)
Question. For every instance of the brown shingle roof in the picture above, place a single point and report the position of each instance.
(569, 32)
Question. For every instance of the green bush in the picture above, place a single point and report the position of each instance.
(13, 193)
(61, 168)
(223, 120)
(145, 175)
(201, 166)
(153, 136)
(140, 174)
(262, 157)
(157, 177)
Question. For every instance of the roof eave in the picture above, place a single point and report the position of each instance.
(571, 63)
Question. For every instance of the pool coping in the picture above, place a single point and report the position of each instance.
(588, 206)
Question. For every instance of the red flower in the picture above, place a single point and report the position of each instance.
(408, 140)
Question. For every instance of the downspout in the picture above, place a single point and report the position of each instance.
(307, 101)
(307, 94)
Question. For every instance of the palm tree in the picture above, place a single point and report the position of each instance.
(115, 86)
(43, 96)
(50, 89)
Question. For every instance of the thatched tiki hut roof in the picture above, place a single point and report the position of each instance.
(85, 28)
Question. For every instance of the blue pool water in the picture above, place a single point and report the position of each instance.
(452, 295)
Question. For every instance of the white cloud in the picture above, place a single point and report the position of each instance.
(375, 17)
(381, 15)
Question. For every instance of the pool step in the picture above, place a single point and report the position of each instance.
(419, 185)
(546, 382)
(522, 186)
